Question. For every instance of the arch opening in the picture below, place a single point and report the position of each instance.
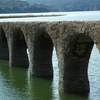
(94, 72)
(76, 64)
(19, 50)
(55, 75)
(4, 53)
(42, 64)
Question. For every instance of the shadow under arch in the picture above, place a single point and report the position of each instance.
(4, 53)
(42, 64)
(76, 64)
(19, 49)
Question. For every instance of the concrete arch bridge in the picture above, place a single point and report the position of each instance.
(73, 42)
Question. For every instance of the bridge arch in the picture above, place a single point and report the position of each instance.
(18, 49)
(75, 67)
(73, 42)
(4, 54)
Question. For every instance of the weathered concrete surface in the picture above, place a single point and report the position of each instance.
(4, 54)
(73, 42)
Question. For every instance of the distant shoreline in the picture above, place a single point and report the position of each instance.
(25, 16)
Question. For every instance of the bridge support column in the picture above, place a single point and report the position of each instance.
(75, 76)
(73, 65)
(18, 56)
(40, 52)
(4, 54)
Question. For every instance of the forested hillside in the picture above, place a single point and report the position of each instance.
(21, 6)
(70, 5)
(30, 6)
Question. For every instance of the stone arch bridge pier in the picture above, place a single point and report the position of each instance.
(73, 42)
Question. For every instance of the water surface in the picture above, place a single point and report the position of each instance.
(16, 83)
(70, 16)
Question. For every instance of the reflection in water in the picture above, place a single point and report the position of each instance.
(41, 89)
(16, 83)
(66, 96)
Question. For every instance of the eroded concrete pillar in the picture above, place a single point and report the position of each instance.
(18, 49)
(4, 54)
(73, 64)
(40, 52)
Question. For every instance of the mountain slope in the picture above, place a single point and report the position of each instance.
(70, 5)
(30, 6)
(21, 6)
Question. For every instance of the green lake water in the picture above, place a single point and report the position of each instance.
(17, 84)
